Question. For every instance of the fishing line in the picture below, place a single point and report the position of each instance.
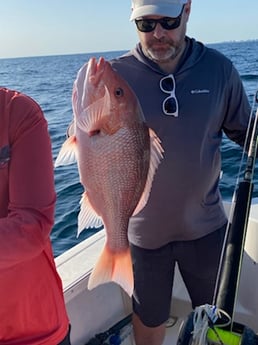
(249, 128)
(204, 319)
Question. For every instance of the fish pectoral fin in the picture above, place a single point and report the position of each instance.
(70, 129)
(87, 217)
(156, 154)
(116, 267)
(68, 152)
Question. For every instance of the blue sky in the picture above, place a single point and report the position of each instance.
(53, 27)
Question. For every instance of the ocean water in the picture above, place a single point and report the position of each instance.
(49, 81)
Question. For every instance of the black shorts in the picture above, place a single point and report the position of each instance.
(198, 262)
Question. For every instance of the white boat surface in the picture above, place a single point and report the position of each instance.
(94, 312)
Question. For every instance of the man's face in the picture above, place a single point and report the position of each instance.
(161, 45)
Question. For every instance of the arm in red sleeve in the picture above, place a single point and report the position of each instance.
(28, 198)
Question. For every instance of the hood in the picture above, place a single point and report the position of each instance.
(193, 53)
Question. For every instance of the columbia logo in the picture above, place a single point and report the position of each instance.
(198, 91)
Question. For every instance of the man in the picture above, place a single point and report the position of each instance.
(32, 308)
(190, 95)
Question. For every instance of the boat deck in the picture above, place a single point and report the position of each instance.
(93, 312)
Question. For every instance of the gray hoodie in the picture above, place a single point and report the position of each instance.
(185, 202)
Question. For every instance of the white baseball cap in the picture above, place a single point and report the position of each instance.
(166, 8)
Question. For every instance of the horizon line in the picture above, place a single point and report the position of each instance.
(115, 50)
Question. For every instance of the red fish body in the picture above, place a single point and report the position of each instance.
(117, 156)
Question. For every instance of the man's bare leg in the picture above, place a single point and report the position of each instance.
(147, 335)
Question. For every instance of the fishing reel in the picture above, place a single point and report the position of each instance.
(114, 335)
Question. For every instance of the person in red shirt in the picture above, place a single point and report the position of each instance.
(32, 308)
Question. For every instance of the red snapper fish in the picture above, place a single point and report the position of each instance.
(117, 156)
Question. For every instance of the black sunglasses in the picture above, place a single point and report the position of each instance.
(167, 23)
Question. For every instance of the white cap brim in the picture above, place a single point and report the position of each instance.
(166, 10)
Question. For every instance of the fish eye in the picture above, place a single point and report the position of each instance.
(119, 92)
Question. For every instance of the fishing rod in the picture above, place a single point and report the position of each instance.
(215, 324)
(236, 231)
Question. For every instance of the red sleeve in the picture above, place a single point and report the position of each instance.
(30, 197)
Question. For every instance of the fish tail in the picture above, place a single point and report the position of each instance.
(113, 266)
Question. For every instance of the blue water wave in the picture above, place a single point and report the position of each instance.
(49, 80)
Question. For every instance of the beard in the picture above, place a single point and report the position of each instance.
(160, 51)
(164, 49)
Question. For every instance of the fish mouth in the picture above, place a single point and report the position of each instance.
(96, 70)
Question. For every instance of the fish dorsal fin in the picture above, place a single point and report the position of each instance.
(91, 117)
(68, 153)
(87, 218)
(156, 154)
